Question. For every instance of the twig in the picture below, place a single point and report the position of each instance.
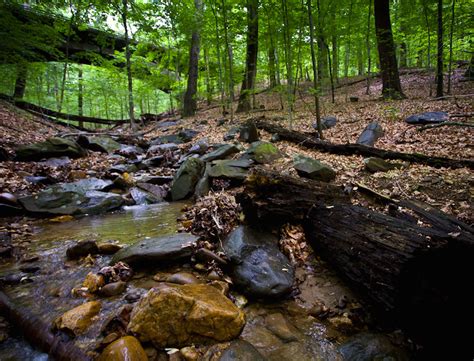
(446, 124)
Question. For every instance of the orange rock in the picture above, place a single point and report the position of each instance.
(79, 318)
(126, 348)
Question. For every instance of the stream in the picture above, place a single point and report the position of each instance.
(286, 330)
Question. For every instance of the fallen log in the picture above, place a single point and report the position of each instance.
(413, 276)
(311, 142)
(38, 333)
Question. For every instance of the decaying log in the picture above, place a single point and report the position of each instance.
(38, 333)
(415, 276)
(309, 141)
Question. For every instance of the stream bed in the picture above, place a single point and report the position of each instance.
(285, 330)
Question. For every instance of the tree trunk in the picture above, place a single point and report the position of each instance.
(80, 95)
(313, 62)
(271, 66)
(367, 43)
(231, 61)
(20, 81)
(219, 58)
(407, 273)
(190, 101)
(450, 66)
(288, 60)
(309, 141)
(131, 106)
(208, 78)
(439, 65)
(248, 84)
(388, 62)
(335, 59)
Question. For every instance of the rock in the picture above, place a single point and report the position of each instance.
(370, 134)
(113, 289)
(172, 138)
(9, 205)
(56, 162)
(275, 138)
(353, 99)
(367, 346)
(200, 147)
(186, 178)
(93, 282)
(123, 168)
(84, 185)
(180, 315)
(190, 353)
(374, 164)
(167, 124)
(427, 118)
(82, 249)
(154, 251)
(126, 348)
(248, 132)
(231, 169)
(326, 122)
(52, 147)
(156, 180)
(130, 151)
(6, 247)
(188, 134)
(157, 192)
(56, 200)
(263, 152)
(280, 327)
(203, 186)
(231, 133)
(220, 153)
(260, 269)
(109, 248)
(162, 148)
(313, 169)
(141, 196)
(8, 198)
(4, 154)
(183, 278)
(103, 143)
(240, 350)
(79, 318)
(39, 180)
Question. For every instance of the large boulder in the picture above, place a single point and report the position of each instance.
(370, 134)
(220, 153)
(100, 143)
(81, 197)
(153, 251)
(79, 319)
(126, 348)
(263, 152)
(260, 270)
(52, 147)
(427, 118)
(181, 315)
(186, 178)
(313, 169)
(248, 132)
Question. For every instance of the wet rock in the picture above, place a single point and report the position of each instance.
(9, 205)
(56, 162)
(186, 178)
(52, 147)
(82, 249)
(220, 153)
(141, 196)
(240, 350)
(158, 192)
(248, 132)
(372, 132)
(188, 134)
(113, 289)
(231, 169)
(109, 248)
(190, 353)
(120, 271)
(428, 118)
(133, 296)
(183, 278)
(8, 198)
(263, 152)
(80, 197)
(367, 346)
(280, 327)
(30, 268)
(186, 314)
(342, 323)
(313, 169)
(93, 282)
(260, 269)
(103, 143)
(79, 319)
(374, 164)
(153, 251)
(126, 348)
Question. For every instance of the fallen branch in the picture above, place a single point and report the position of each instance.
(446, 124)
(311, 142)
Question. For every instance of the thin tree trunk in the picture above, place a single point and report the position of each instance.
(20, 81)
(271, 66)
(388, 62)
(129, 66)
(230, 59)
(450, 66)
(248, 84)
(367, 42)
(190, 101)
(331, 77)
(208, 78)
(313, 62)
(80, 95)
(288, 61)
(219, 59)
(335, 58)
(439, 65)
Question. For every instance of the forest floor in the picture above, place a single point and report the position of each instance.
(448, 189)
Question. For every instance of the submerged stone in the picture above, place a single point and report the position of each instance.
(181, 315)
(79, 319)
(126, 348)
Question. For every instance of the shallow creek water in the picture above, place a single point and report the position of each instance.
(280, 331)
